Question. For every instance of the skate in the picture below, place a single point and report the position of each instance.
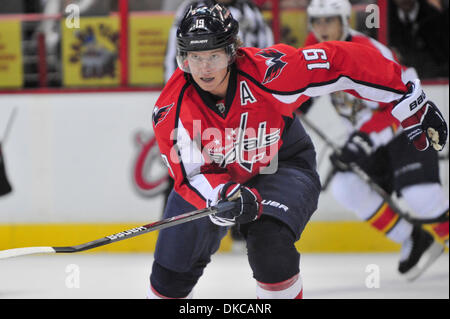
(418, 252)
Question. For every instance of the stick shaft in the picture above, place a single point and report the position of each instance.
(137, 231)
(4, 137)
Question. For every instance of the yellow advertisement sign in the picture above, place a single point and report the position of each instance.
(147, 45)
(293, 26)
(11, 67)
(90, 53)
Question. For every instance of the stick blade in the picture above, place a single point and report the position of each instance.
(16, 252)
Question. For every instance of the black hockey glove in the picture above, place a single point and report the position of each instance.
(356, 150)
(249, 208)
(421, 119)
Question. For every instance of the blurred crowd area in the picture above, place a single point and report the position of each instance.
(421, 41)
(95, 7)
(100, 7)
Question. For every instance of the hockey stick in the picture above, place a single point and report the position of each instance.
(5, 185)
(165, 223)
(328, 178)
(366, 178)
(8, 125)
(444, 157)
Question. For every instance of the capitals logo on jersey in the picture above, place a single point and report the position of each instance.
(160, 113)
(246, 147)
(274, 63)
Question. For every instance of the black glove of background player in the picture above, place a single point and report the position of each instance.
(356, 150)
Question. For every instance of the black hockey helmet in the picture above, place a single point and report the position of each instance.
(206, 28)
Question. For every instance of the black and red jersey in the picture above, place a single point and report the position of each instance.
(206, 142)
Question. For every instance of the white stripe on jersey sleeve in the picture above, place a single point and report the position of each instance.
(344, 83)
(192, 160)
(190, 155)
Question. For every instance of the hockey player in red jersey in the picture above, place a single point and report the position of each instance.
(379, 146)
(226, 129)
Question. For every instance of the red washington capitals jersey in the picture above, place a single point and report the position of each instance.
(207, 143)
(368, 117)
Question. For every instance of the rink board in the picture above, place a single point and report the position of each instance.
(72, 160)
(318, 237)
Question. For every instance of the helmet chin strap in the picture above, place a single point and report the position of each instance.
(225, 76)
(345, 29)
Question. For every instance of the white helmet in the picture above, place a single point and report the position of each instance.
(328, 8)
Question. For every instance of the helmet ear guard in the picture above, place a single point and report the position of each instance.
(182, 61)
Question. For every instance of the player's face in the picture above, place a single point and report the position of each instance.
(210, 70)
(327, 28)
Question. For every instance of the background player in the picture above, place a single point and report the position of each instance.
(380, 147)
(226, 129)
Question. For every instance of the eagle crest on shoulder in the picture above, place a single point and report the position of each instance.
(160, 113)
(274, 64)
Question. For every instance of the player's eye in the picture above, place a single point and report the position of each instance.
(329, 20)
(196, 58)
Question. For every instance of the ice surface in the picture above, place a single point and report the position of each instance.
(228, 276)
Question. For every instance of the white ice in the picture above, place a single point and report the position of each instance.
(228, 276)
